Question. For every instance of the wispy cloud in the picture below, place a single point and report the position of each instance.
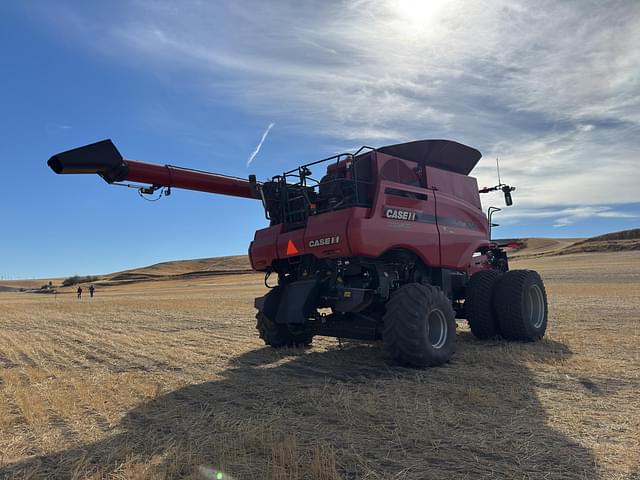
(264, 137)
(563, 217)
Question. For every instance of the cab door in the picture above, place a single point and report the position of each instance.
(403, 215)
(461, 223)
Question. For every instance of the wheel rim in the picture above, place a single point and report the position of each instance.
(536, 306)
(438, 328)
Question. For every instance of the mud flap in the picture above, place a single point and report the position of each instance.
(268, 304)
(298, 301)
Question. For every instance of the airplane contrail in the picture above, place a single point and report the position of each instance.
(264, 136)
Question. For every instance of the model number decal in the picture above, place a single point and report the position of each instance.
(399, 214)
(322, 242)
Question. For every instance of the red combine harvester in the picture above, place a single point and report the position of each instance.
(390, 243)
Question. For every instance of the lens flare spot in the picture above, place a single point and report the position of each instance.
(210, 473)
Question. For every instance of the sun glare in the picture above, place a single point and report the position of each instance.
(417, 14)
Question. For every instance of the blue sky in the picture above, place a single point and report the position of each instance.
(553, 89)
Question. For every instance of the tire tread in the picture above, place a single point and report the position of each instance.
(509, 304)
(403, 334)
(478, 305)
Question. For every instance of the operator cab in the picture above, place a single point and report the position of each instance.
(294, 196)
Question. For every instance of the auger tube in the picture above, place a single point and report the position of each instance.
(104, 159)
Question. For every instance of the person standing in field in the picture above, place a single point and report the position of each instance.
(79, 292)
(91, 290)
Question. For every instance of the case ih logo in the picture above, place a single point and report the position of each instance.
(322, 242)
(399, 214)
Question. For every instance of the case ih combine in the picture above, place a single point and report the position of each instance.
(388, 243)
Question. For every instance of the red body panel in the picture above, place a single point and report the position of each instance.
(460, 186)
(373, 235)
(446, 230)
(262, 251)
(326, 234)
(273, 243)
(463, 231)
(462, 224)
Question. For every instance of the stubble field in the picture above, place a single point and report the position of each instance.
(167, 379)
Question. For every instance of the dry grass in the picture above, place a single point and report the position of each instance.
(168, 380)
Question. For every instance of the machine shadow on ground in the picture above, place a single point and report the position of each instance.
(341, 414)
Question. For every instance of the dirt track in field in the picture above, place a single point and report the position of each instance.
(168, 379)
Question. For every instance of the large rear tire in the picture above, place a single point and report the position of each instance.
(280, 335)
(419, 326)
(520, 301)
(478, 306)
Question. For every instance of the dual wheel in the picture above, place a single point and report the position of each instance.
(420, 326)
(512, 305)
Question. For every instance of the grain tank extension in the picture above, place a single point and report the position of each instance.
(384, 243)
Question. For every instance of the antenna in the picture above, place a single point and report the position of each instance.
(498, 167)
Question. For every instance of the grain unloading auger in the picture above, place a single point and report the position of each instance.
(390, 243)
(104, 159)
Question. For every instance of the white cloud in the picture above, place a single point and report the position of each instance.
(551, 88)
(573, 215)
(566, 216)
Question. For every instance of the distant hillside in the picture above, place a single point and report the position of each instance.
(624, 240)
(541, 246)
(181, 269)
(178, 267)
(633, 234)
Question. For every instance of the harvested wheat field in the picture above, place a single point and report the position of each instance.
(167, 379)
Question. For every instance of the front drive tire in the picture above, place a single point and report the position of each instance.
(419, 326)
(280, 335)
(520, 301)
(478, 306)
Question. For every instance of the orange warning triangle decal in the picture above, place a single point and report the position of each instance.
(291, 248)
